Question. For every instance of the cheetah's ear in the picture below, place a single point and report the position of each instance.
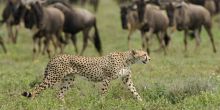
(133, 52)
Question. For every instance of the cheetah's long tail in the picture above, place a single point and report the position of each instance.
(26, 94)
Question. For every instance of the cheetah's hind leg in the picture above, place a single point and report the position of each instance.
(66, 83)
(49, 81)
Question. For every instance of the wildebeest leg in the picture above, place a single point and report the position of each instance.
(54, 42)
(39, 45)
(16, 33)
(129, 38)
(35, 40)
(47, 43)
(162, 43)
(61, 41)
(158, 38)
(197, 35)
(143, 38)
(3, 45)
(167, 39)
(85, 39)
(149, 34)
(10, 35)
(44, 46)
(211, 38)
(67, 38)
(185, 39)
(74, 40)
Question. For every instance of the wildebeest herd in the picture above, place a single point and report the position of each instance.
(57, 21)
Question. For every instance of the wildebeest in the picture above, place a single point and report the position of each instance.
(190, 17)
(154, 20)
(9, 19)
(3, 45)
(79, 20)
(210, 5)
(129, 20)
(46, 22)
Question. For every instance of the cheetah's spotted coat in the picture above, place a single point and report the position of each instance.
(64, 68)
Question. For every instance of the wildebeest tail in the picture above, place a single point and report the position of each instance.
(97, 41)
(26, 94)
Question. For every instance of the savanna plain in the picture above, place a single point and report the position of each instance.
(177, 81)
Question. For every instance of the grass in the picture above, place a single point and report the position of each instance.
(173, 82)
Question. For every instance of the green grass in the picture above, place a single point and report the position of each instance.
(172, 82)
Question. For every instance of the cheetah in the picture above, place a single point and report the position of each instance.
(63, 69)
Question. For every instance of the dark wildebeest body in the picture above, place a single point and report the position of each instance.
(77, 20)
(46, 22)
(156, 20)
(10, 20)
(190, 17)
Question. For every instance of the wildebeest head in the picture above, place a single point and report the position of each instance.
(26, 14)
(32, 14)
(10, 10)
(30, 19)
(141, 8)
(124, 10)
(180, 15)
(141, 4)
(177, 14)
(37, 9)
(19, 13)
(170, 13)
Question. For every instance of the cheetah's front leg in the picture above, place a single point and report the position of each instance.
(128, 82)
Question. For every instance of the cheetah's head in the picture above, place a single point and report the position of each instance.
(140, 56)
